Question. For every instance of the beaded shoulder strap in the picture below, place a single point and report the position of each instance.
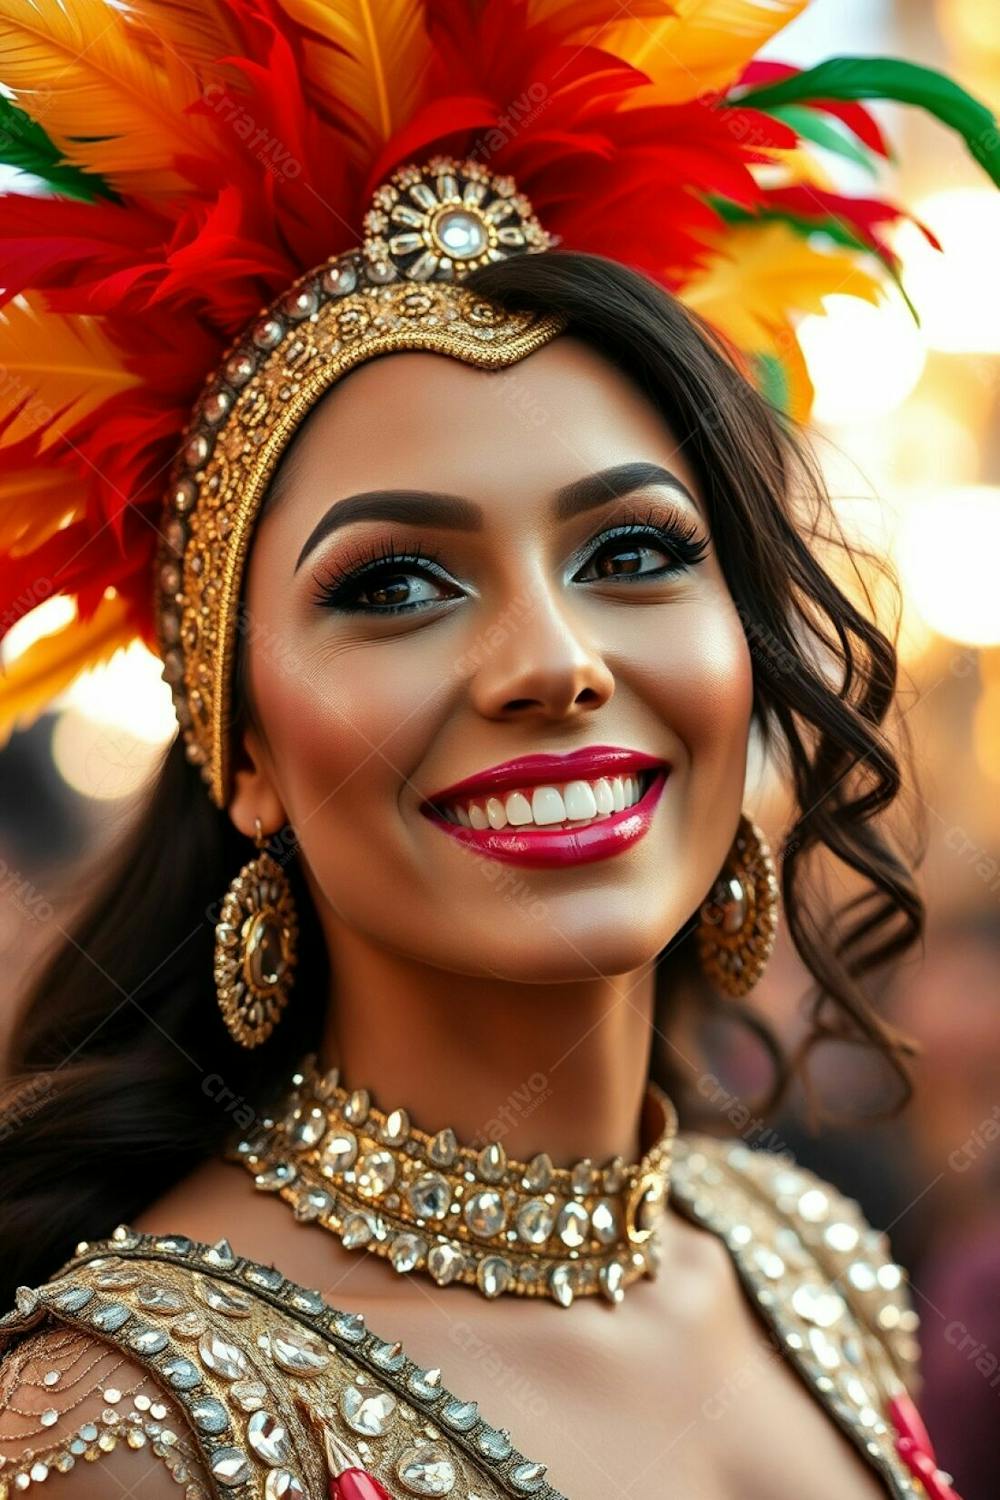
(822, 1279)
(70, 1400)
(281, 1391)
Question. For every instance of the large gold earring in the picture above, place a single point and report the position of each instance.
(255, 948)
(739, 917)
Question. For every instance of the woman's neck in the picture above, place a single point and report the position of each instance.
(560, 1068)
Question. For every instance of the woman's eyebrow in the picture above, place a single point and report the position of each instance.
(457, 513)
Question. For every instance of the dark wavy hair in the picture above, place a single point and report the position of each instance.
(119, 1056)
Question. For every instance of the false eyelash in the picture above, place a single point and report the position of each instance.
(365, 559)
(680, 534)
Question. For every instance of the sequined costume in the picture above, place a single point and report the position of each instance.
(226, 1373)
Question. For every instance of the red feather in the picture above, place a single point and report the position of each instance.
(51, 242)
(865, 215)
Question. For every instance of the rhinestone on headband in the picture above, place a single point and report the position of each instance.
(459, 1214)
(446, 220)
(427, 227)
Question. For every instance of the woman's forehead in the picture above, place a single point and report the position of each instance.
(431, 421)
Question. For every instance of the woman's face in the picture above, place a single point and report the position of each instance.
(524, 634)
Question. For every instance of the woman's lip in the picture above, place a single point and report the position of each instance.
(547, 849)
(539, 770)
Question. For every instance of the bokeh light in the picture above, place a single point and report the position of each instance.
(102, 760)
(127, 692)
(946, 550)
(863, 359)
(955, 290)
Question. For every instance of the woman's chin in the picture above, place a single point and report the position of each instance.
(569, 953)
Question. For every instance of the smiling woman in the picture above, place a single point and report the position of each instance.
(471, 640)
(481, 563)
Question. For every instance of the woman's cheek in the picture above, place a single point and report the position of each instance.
(697, 674)
(351, 721)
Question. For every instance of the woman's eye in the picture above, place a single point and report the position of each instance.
(383, 590)
(396, 589)
(628, 561)
(644, 554)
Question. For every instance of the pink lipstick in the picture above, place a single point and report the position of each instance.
(548, 811)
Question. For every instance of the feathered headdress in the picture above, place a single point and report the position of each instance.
(195, 157)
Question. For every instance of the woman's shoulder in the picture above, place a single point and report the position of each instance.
(75, 1409)
(227, 1377)
(807, 1254)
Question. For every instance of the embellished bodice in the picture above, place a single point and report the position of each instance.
(242, 1383)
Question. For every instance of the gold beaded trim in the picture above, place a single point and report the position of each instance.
(457, 1213)
(92, 1441)
(252, 1359)
(377, 300)
(838, 1306)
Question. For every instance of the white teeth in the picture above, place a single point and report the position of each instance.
(518, 809)
(603, 796)
(547, 806)
(573, 803)
(496, 812)
(580, 800)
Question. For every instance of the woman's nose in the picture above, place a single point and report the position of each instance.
(537, 659)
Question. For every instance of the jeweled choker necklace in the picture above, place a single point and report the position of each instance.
(457, 1213)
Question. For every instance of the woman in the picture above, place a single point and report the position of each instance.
(471, 590)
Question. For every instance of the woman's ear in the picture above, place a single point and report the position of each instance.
(254, 793)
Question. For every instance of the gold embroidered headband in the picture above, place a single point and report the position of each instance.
(441, 221)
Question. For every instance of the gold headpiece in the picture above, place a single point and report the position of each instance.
(440, 221)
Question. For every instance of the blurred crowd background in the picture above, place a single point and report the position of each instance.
(906, 425)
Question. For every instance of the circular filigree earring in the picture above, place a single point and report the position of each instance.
(255, 948)
(739, 917)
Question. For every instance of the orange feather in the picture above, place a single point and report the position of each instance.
(760, 273)
(701, 46)
(199, 31)
(366, 63)
(65, 366)
(573, 18)
(34, 503)
(83, 69)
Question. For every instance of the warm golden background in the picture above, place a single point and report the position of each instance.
(906, 421)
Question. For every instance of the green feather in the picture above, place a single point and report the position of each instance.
(891, 78)
(822, 132)
(772, 381)
(25, 145)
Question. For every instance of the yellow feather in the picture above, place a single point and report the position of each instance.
(58, 361)
(370, 68)
(799, 386)
(791, 165)
(762, 272)
(35, 503)
(53, 662)
(701, 45)
(81, 68)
